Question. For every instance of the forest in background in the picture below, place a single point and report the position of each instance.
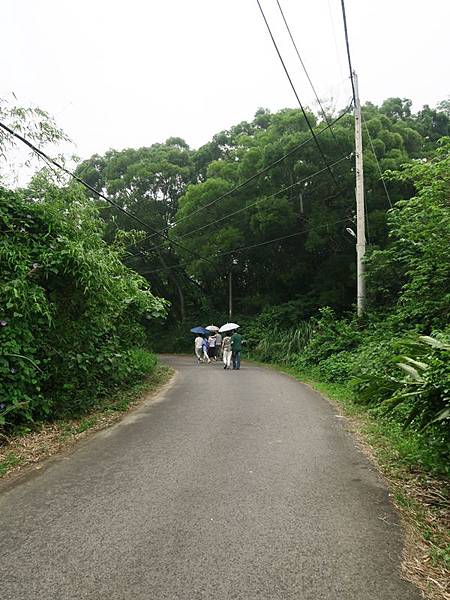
(258, 201)
(169, 183)
(295, 296)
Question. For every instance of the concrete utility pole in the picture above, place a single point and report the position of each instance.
(360, 213)
(230, 296)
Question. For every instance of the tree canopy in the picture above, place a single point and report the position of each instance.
(189, 196)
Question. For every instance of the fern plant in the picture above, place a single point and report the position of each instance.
(426, 381)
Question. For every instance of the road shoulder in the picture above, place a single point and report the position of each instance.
(421, 501)
(25, 455)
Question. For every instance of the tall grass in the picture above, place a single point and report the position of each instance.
(280, 345)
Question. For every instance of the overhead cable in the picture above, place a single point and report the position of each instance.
(284, 237)
(305, 69)
(297, 96)
(347, 44)
(333, 29)
(281, 191)
(254, 176)
(265, 243)
(55, 163)
(377, 161)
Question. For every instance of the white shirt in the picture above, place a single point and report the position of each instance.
(198, 341)
(227, 343)
(212, 341)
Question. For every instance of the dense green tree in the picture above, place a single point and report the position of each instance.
(297, 195)
(184, 193)
(147, 182)
(70, 310)
(33, 123)
(412, 273)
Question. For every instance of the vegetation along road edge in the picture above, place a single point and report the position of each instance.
(26, 451)
(421, 500)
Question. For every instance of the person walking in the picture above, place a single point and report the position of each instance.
(198, 348)
(226, 351)
(218, 345)
(205, 348)
(236, 347)
(212, 347)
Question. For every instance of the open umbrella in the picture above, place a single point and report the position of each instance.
(228, 327)
(200, 330)
(212, 328)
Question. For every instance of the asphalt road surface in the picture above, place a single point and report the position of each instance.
(239, 485)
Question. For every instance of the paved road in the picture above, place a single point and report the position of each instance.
(232, 485)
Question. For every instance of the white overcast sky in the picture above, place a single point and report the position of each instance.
(130, 73)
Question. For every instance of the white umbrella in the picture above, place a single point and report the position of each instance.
(212, 328)
(228, 327)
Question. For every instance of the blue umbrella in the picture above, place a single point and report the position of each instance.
(200, 330)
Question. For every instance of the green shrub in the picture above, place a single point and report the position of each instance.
(412, 274)
(140, 362)
(69, 309)
(406, 377)
(337, 368)
(330, 336)
(276, 344)
(416, 383)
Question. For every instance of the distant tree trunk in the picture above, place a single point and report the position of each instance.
(175, 281)
(181, 297)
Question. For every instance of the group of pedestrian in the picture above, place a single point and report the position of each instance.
(215, 347)
(208, 348)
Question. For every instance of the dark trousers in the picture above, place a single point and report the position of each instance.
(236, 359)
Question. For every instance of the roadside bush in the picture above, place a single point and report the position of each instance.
(405, 379)
(308, 344)
(329, 337)
(337, 368)
(416, 384)
(69, 309)
(276, 344)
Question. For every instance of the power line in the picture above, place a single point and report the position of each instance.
(253, 177)
(284, 237)
(257, 245)
(335, 40)
(376, 159)
(305, 69)
(297, 96)
(186, 276)
(52, 161)
(285, 189)
(366, 213)
(327, 198)
(347, 44)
